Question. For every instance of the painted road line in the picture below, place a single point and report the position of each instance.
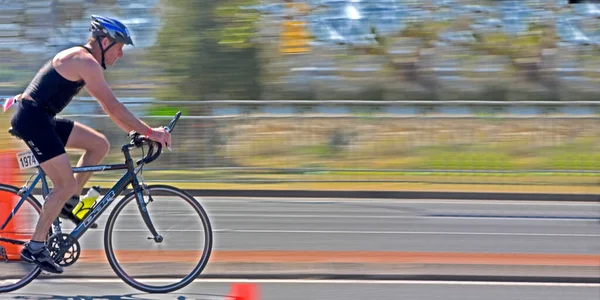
(388, 217)
(333, 281)
(404, 232)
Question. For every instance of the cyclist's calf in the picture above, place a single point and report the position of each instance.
(64, 190)
(60, 172)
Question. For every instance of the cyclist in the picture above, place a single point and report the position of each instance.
(35, 121)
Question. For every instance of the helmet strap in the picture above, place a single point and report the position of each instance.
(104, 50)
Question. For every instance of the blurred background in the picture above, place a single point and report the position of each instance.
(340, 94)
(372, 95)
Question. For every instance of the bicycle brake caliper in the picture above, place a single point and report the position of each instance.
(22, 191)
(147, 192)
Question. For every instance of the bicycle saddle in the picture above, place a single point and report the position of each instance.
(12, 132)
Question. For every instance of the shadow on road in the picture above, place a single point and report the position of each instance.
(172, 296)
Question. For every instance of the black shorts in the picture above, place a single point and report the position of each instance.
(45, 134)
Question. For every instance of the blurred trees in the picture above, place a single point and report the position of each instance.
(204, 51)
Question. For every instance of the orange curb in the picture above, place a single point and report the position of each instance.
(139, 256)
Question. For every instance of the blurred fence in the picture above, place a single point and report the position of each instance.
(366, 141)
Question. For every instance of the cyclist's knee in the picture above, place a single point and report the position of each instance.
(100, 145)
(66, 188)
(71, 186)
(60, 172)
(103, 145)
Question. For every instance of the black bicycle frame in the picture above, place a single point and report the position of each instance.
(129, 178)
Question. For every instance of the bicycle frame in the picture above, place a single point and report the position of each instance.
(130, 177)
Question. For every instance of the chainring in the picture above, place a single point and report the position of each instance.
(64, 249)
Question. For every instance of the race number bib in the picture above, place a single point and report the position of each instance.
(27, 160)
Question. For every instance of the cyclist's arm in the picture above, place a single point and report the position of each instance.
(97, 87)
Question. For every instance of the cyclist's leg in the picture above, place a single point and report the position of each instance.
(39, 132)
(78, 136)
(37, 129)
(58, 169)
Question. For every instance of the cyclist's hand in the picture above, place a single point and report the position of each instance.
(161, 136)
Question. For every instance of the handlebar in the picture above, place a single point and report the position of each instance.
(138, 140)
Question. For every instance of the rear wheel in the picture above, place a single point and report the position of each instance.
(138, 259)
(15, 273)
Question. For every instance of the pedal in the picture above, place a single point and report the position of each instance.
(46, 273)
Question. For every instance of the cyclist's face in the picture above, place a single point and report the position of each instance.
(113, 54)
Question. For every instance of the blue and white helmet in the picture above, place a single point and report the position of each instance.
(110, 28)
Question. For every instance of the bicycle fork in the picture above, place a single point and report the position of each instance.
(142, 206)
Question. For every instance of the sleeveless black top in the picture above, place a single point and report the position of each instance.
(51, 89)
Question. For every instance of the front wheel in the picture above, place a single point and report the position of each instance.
(158, 265)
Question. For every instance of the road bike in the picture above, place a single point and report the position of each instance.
(65, 247)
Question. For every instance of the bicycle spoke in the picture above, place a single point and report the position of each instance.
(182, 254)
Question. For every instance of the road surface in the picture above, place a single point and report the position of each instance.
(390, 225)
(68, 289)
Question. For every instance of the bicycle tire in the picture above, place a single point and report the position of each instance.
(110, 254)
(35, 272)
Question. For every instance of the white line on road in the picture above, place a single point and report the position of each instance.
(253, 200)
(226, 230)
(565, 202)
(337, 281)
(403, 232)
(261, 217)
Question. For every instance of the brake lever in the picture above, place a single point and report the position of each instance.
(169, 128)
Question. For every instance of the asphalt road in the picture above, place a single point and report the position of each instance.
(82, 289)
(359, 225)
(376, 225)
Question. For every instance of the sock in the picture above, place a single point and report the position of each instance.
(35, 245)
